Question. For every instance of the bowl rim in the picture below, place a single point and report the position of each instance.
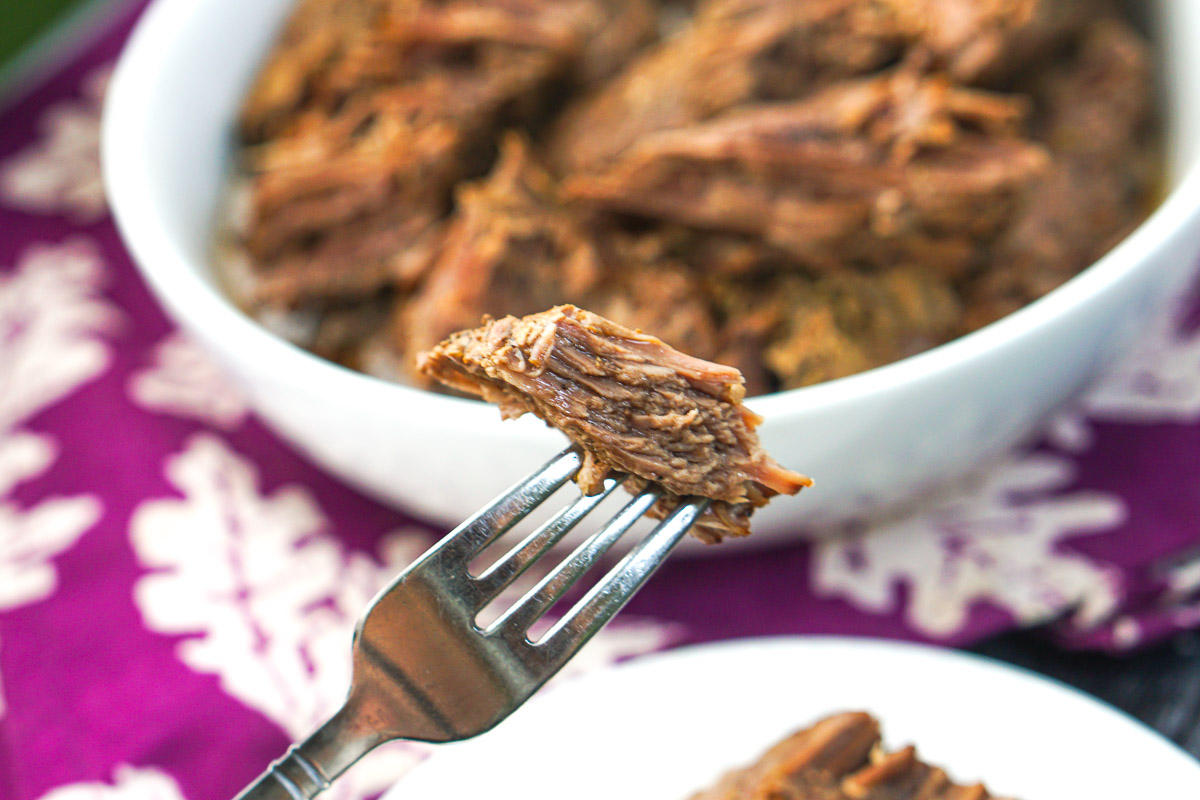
(165, 265)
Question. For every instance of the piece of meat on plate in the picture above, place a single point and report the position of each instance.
(903, 167)
(315, 36)
(630, 402)
(840, 758)
(379, 168)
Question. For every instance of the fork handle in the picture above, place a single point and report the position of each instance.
(307, 769)
(292, 777)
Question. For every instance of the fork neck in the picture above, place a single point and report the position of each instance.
(307, 769)
(349, 734)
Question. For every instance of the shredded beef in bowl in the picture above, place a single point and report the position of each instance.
(803, 189)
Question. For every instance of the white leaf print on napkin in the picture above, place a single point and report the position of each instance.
(271, 593)
(1159, 381)
(129, 783)
(60, 173)
(996, 541)
(1180, 602)
(184, 381)
(271, 597)
(30, 538)
(53, 321)
(23, 455)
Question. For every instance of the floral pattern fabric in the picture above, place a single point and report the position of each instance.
(178, 586)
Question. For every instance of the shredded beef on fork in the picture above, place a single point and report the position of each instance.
(632, 403)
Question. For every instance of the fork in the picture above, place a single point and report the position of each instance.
(425, 670)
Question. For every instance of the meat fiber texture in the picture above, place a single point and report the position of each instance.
(840, 758)
(367, 112)
(632, 403)
(898, 168)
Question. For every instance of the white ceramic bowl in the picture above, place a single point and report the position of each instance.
(868, 440)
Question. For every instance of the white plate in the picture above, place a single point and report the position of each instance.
(664, 726)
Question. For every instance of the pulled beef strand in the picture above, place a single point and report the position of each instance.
(897, 167)
(734, 52)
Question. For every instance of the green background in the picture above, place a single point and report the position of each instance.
(21, 21)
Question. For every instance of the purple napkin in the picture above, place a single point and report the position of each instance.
(177, 586)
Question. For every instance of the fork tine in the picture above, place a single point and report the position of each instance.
(537, 600)
(497, 517)
(509, 567)
(610, 595)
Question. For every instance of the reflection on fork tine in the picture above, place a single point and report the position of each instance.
(500, 575)
(605, 599)
(530, 608)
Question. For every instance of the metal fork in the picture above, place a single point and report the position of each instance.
(425, 670)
